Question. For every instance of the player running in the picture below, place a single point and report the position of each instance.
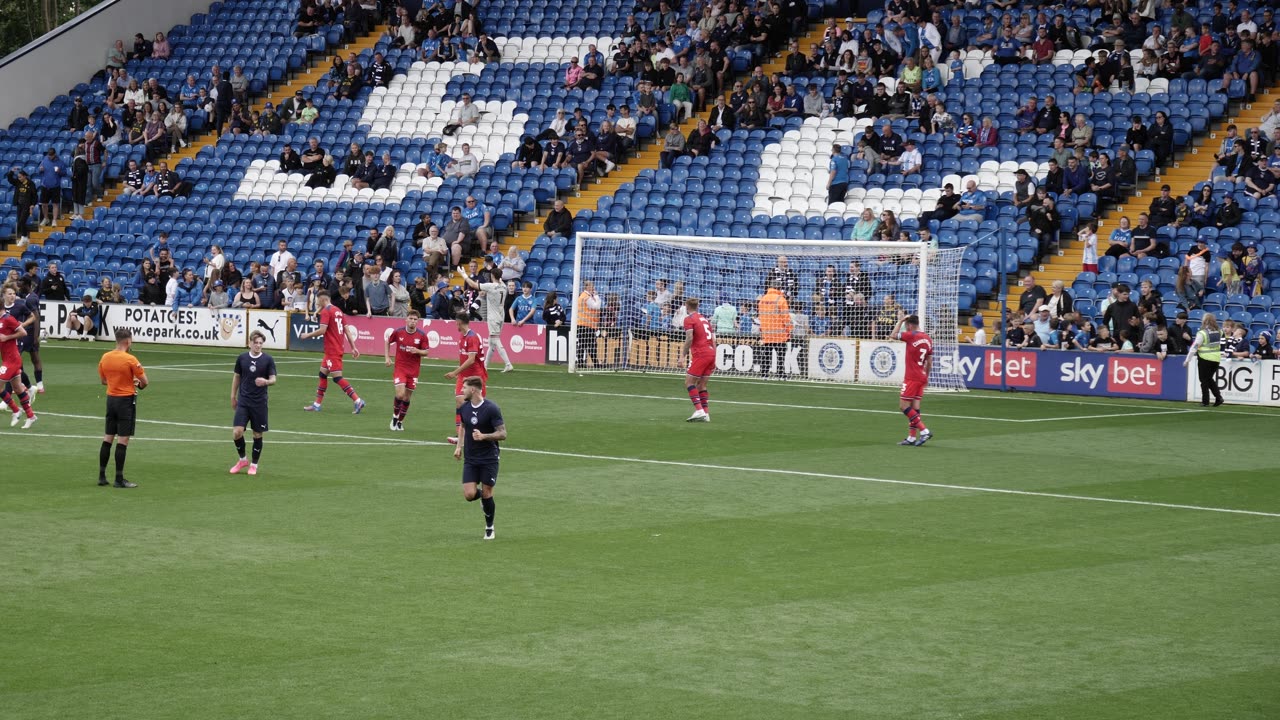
(255, 372)
(480, 469)
(470, 365)
(411, 346)
(495, 296)
(700, 351)
(27, 312)
(11, 331)
(919, 361)
(337, 335)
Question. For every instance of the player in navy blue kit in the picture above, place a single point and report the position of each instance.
(480, 469)
(255, 372)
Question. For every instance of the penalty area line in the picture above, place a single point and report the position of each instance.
(743, 469)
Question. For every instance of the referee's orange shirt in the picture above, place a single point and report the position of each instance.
(119, 369)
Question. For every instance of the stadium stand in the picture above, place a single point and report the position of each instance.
(763, 178)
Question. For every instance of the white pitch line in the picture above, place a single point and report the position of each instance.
(1113, 415)
(389, 441)
(735, 468)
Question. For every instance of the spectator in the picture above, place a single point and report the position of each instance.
(464, 114)
(673, 146)
(170, 184)
(1160, 136)
(838, 172)
(218, 298)
(175, 125)
(480, 217)
(1045, 222)
(782, 277)
(528, 155)
(465, 165)
(116, 57)
(1032, 295)
(457, 233)
(387, 248)
(52, 171)
(324, 177)
(79, 182)
(245, 296)
(78, 116)
(1121, 241)
(1118, 313)
(512, 265)
(973, 203)
(188, 292)
(160, 48)
(1229, 214)
(383, 175)
(1143, 243)
(559, 222)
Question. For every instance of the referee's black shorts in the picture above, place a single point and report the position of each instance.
(122, 415)
(250, 416)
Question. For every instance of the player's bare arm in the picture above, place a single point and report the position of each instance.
(318, 332)
(141, 381)
(264, 382)
(684, 349)
(471, 360)
(499, 434)
(386, 352)
(350, 334)
(235, 389)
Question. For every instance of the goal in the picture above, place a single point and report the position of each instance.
(843, 298)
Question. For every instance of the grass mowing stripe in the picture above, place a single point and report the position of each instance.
(736, 468)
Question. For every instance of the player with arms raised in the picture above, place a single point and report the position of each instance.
(255, 371)
(700, 351)
(411, 346)
(11, 331)
(337, 335)
(470, 365)
(919, 361)
(483, 418)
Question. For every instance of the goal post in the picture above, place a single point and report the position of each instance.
(842, 299)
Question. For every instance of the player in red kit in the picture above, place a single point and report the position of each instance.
(700, 350)
(11, 363)
(337, 335)
(411, 346)
(919, 361)
(470, 364)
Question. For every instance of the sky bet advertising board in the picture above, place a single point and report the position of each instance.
(1072, 373)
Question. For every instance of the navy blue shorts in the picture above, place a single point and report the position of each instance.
(253, 417)
(480, 473)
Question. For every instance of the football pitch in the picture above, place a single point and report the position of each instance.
(1042, 557)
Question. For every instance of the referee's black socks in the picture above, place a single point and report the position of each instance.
(120, 453)
(488, 505)
(240, 446)
(104, 456)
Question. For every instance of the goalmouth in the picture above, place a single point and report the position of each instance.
(841, 300)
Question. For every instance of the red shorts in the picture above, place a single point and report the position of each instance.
(702, 366)
(410, 382)
(10, 372)
(484, 386)
(913, 389)
(1090, 267)
(331, 363)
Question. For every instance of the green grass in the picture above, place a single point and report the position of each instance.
(349, 580)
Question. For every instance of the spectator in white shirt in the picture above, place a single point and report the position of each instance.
(910, 161)
(466, 113)
(280, 259)
(465, 165)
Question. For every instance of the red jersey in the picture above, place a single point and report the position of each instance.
(408, 364)
(470, 343)
(10, 356)
(704, 341)
(335, 333)
(919, 355)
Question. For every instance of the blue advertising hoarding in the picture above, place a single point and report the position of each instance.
(1072, 372)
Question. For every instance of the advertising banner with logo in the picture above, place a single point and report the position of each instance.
(274, 324)
(881, 361)
(1242, 382)
(525, 344)
(156, 323)
(833, 359)
(1071, 373)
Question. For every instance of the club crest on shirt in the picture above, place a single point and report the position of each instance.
(475, 420)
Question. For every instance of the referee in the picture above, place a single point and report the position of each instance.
(124, 377)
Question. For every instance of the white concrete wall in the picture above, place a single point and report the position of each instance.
(71, 54)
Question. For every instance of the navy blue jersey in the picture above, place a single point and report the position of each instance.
(250, 368)
(485, 417)
(20, 311)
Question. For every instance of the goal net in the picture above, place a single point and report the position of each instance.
(842, 300)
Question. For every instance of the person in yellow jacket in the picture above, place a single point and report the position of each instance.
(775, 329)
(1207, 350)
(586, 316)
